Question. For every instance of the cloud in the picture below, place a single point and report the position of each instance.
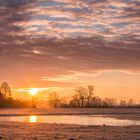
(56, 37)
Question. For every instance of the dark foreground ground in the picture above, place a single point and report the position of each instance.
(24, 131)
(36, 131)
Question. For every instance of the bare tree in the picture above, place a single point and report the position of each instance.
(75, 102)
(96, 101)
(90, 92)
(123, 103)
(130, 102)
(5, 90)
(109, 102)
(53, 99)
(80, 96)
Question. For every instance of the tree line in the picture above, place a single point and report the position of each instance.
(6, 100)
(84, 97)
(13, 103)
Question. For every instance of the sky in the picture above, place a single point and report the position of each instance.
(58, 45)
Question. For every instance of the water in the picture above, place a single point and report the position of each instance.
(72, 119)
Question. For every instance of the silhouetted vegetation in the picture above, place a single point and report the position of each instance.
(6, 100)
(13, 103)
(85, 98)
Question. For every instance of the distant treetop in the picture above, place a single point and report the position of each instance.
(5, 90)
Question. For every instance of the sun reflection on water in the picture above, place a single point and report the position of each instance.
(33, 119)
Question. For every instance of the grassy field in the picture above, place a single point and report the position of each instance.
(24, 131)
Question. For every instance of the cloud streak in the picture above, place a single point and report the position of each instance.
(56, 37)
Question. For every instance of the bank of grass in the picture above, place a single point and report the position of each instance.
(26, 131)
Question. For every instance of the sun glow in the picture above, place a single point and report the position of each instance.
(32, 119)
(33, 91)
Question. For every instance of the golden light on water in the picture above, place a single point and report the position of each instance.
(33, 91)
(33, 119)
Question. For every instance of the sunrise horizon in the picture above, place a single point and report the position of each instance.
(125, 87)
(57, 46)
(69, 69)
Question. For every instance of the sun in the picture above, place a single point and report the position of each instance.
(32, 119)
(33, 91)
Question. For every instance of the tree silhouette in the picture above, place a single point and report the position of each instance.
(90, 90)
(54, 100)
(5, 90)
(80, 96)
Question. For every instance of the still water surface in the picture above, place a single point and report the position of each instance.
(72, 119)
